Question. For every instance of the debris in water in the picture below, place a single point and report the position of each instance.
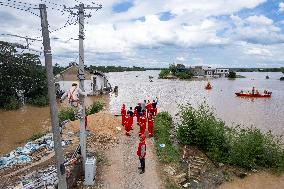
(162, 145)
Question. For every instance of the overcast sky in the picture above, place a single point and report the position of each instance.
(155, 33)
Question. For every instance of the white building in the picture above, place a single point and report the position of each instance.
(222, 72)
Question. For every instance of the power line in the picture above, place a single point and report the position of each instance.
(20, 7)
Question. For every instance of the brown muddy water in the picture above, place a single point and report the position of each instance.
(256, 181)
(18, 126)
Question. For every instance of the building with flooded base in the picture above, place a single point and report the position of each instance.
(204, 71)
(95, 82)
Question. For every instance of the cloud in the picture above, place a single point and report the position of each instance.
(156, 33)
(255, 29)
(180, 58)
(281, 7)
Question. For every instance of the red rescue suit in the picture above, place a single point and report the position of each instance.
(142, 124)
(127, 124)
(148, 108)
(123, 114)
(141, 150)
(150, 126)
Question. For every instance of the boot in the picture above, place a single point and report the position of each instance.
(142, 171)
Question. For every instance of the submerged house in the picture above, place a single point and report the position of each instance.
(204, 71)
(95, 82)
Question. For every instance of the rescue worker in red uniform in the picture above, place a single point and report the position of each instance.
(142, 123)
(141, 153)
(123, 114)
(150, 125)
(127, 123)
(148, 107)
(138, 109)
(131, 117)
(154, 105)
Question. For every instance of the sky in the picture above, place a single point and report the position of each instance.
(156, 33)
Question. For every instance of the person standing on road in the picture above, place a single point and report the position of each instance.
(150, 125)
(141, 153)
(123, 114)
(131, 117)
(143, 105)
(138, 110)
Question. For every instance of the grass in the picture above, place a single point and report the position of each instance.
(245, 147)
(95, 108)
(36, 136)
(163, 124)
(66, 114)
(39, 101)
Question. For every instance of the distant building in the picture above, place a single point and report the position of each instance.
(222, 72)
(197, 71)
(207, 71)
(180, 68)
(95, 82)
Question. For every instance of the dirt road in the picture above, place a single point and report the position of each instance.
(123, 173)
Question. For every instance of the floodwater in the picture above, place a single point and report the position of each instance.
(18, 126)
(255, 181)
(266, 114)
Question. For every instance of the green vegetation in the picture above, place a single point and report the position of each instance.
(164, 73)
(163, 125)
(66, 114)
(246, 147)
(39, 101)
(95, 108)
(69, 114)
(107, 69)
(186, 74)
(232, 75)
(11, 104)
(36, 136)
(21, 75)
(57, 69)
(172, 185)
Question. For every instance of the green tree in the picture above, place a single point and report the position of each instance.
(232, 75)
(20, 74)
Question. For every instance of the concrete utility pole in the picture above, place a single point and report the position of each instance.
(52, 100)
(81, 74)
(81, 78)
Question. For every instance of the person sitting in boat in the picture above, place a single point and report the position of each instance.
(208, 85)
(257, 92)
(253, 90)
(242, 91)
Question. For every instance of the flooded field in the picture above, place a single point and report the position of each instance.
(267, 114)
(18, 126)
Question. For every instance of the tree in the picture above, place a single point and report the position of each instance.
(21, 75)
(232, 75)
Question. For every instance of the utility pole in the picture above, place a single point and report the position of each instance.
(81, 78)
(81, 74)
(52, 100)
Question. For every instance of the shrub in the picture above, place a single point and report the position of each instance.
(200, 127)
(36, 136)
(232, 75)
(164, 73)
(250, 149)
(95, 108)
(183, 75)
(39, 101)
(246, 147)
(163, 124)
(13, 104)
(66, 114)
